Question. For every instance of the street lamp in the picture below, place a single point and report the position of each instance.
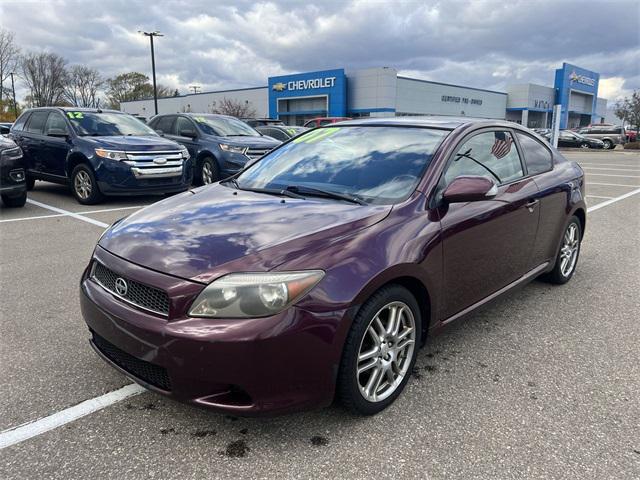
(13, 90)
(153, 65)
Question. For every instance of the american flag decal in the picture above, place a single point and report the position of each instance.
(502, 144)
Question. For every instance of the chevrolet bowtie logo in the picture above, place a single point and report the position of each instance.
(279, 87)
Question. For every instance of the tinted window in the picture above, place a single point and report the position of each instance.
(164, 124)
(275, 133)
(376, 164)
(224, 126)
(19, 124)
(490, 154)
(55, 120)
(325, 122)
(183, 124)
(37, 121)
(536, 156)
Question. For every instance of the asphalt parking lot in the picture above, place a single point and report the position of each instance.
(543, 384)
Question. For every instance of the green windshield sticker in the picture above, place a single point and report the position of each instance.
(75, 115)
(200, 119)
(292, 131)
(316, 135)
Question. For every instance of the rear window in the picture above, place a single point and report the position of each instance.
(537, 157)
(37, 121)
(164, 124)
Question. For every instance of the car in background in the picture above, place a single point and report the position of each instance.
(99, 152)
(322, 121)
(219, 145)
(611, 135)
(261, 122)
(5, 128)
(542, 131)
(13, 185)
(570, 139)
(318, 272)
(632, 134)
(281, 132)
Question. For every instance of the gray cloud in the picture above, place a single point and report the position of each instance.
(486, 44)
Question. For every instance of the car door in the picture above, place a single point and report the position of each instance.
(33, 140)
(182, 125)
(486, 244)
(56, 147)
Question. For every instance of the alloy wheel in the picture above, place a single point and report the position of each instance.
(569, 250)
(83, 185)
(207, 173)
(386, 351)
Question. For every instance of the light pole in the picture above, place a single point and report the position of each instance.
(153, 65)
(13, 91)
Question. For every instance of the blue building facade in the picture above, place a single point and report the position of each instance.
(577, 92)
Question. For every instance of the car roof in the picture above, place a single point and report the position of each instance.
(436, 121)
(78, 109)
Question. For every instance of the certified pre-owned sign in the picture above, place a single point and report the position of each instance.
(310, 84)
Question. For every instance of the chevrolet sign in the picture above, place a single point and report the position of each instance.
(574, 77)
(310, 84)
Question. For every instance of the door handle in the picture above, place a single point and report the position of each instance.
(532, 204)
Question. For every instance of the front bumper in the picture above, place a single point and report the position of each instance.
(12, 181)
(273, 365)
(121, 178)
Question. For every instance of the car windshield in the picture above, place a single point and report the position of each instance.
(224, 126)
(107, 124)
(373, 164)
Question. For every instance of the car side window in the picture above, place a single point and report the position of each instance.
(275, 133)
(165, 124)
(18, 126)
(183, 123)
(36, 122)
(55, 121)
(537, 157)
(490, 154)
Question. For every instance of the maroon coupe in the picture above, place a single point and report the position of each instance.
(319, 270)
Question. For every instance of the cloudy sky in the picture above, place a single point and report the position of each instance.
(482, 43)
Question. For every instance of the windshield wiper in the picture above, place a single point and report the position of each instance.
(467, 154)
(325, 193)
(268, 191)
(240, 135)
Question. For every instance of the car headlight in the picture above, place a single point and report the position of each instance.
(111, 154)
(244, 295)
(233, 148)
(184, 152)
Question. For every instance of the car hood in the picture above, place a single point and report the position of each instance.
(251, 142)
(133, 143)
(207, 232)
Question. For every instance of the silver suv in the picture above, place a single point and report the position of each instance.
(611, 135)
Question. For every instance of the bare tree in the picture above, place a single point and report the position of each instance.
(82, 85)
(235, 108)
(45, 75)
(628, 110)
(9, 57)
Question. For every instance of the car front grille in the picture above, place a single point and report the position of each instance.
(137, 294)
(147, 372)
(147, 165)
(254, 153)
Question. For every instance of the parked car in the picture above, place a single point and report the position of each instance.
(631, 133)
(5, 128)
(610, 135)
(13, 185)
(569, 139)
(261, 122)
(220, 145)
(321, 269)
(322, 121)
(281, 133)
(99, 152)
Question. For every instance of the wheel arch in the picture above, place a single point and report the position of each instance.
(73, 160)
(582, 216)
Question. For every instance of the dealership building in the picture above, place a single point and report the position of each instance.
(382, 92)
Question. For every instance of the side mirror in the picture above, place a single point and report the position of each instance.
(187, 132)
(57, 132)
(470, 189)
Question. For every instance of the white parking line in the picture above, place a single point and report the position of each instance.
(66, 214)
(600, 164)
(31, 429)
(599, 196)
(591, 174)
(77, 216)
(612, 169)
(613, 184)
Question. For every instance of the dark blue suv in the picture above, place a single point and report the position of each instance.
(99, 152)
(220, 145)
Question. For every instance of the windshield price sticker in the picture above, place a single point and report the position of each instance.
(74, 115)
(316, 135)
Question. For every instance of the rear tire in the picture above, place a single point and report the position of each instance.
(380, 351)
(567, 259)
(608, 144)
(84, 185)
(585, 145)
(207, 172)
(15, 202)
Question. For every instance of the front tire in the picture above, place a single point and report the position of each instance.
(31, 182)
(15, 202)
(84, 185)
(608, 144)
(208, 172)
(567, 259)
(585, 145)
(380, 351)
